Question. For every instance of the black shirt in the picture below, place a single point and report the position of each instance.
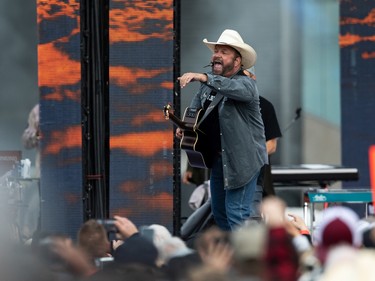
(211, 126)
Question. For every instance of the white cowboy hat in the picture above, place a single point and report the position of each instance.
(233, 39)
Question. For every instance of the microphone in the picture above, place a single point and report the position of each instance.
(208, 65)
(298, 115)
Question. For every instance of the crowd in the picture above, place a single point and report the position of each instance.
(279, 247)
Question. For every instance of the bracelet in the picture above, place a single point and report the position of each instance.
(304, 231)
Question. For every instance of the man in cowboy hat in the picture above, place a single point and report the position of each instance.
(233, 124)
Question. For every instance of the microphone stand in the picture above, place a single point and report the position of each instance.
(298, 115)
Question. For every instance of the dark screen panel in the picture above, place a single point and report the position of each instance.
(357, 45)
(59, 83)
(141, 83)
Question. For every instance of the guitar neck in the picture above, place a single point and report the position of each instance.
(178, 122)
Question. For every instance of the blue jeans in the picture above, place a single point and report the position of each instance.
(233, 207)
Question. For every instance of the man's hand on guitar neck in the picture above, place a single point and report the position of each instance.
(188, 77)
(179, 133)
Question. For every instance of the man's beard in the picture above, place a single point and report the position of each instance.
(223, 70)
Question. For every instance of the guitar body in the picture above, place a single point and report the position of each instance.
(194, 141)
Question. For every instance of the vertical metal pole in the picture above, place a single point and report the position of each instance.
(95, 102)
(176, 105)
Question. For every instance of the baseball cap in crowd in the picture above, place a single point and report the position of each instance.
(339, 226)
(136, 249)
(249, 241)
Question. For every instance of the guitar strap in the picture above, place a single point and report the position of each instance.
(215, 102)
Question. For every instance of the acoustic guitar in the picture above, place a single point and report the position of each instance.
(194, 141)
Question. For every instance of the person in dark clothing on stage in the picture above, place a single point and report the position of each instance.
(273, 133)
